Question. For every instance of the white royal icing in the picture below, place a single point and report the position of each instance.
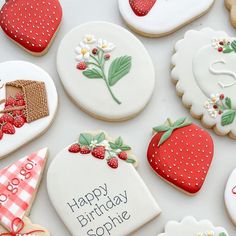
(165, 16)
(21, 70)
(189, 226)
(202, 73)
(133, 90)
(230, 196)
(91, 180)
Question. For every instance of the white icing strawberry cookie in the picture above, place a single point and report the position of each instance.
(106, 70)
(205, 77)
(156, 18)
(28, 103)
(102, 194)
(230, 196)
(189, 226)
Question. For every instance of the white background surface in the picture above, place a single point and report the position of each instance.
(70, 121)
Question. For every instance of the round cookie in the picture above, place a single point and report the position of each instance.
(28, 104)
(230, 196)
(106, 70)
(105, 201)
(205, 78)
(181, 153)
(154, 18)
(189, 226)
(32, 24)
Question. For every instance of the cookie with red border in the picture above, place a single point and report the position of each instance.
(32, 24)
(181, 153)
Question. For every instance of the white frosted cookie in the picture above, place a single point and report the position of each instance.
(106, 70)
(189, 226)
(205, 76)
(102, 193)
(156, 18)
(28, 103)
(230, 196)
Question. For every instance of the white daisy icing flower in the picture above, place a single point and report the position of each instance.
(82, 52)
(89, 39)
(215, 98)
(105, 45)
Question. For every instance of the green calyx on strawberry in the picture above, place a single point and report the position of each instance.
(100, 148)
(169, 127)
(181, 153)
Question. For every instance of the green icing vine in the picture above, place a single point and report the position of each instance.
(93, 60)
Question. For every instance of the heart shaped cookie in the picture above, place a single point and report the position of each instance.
(28, 104)
(31, 23)
(181, 153)
(99, 193)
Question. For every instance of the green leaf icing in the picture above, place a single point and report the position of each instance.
(99, 137)
(85, 139)
(118, 69)
(93, 73)
(228, 117)
(168, 130)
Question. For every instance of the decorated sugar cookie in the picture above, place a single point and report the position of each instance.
(231, 6)
(106, 70)
(102, 187)
(205, 77)
(19, 183)
(181, 153)
(230, 196)
(28, 103)
(189, 226)
(154, 18)
(32, 24)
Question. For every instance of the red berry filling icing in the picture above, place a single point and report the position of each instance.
(31, 23)
(181, 154)
(141, 7)
(14, 119)
(100, 148)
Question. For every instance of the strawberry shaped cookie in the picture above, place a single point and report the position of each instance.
(181, 153)
(102, 187)
(31, 23)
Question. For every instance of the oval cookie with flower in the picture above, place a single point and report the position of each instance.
(205, 78)
(103, 74)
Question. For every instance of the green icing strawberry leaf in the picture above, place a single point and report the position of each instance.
(85, 139)
(119, 142)
(130, 160)
(222, 234)
(93, 73)
(99, 137)
(119, 68)
(228, 117)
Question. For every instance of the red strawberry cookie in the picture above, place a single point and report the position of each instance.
(181, 153)
(31, 23)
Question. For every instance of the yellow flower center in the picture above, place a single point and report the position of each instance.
(104, 45)
(84, 51)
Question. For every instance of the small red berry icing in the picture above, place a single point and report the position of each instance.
(74, 148)
(102, 148)
(181, 153)
(113, 162)
(31, 23)
(141, 7)
(99, 152)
